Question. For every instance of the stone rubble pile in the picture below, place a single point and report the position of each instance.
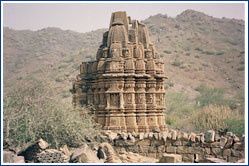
(192, 147)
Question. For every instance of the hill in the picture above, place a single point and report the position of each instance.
(196, 48)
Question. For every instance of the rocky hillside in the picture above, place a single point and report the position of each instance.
(196, 48)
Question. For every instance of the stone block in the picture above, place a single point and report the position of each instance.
(202, 136)
(159, 155)
(223, 141)
(168, 143)
(152, 149)
(152, 155)
(143, 154)
(141, 136)
(214, 160)
(10, 157)
(209, 136)
(216, 151)
(171, 149)
(123, 135)
(243, 138)
(186, 143)
(234, 153)
(145, 142)
(133, 149)
(196, 150)
(182, 149)
(169, 136)
(164, 138)
(134, 134)
(207, 151)
(143, 148)
(184, 136)
(229, 142)
(198, 138)
(150, 136)
(160, 136)
(192, 137)
(156, 136)
(238, 145)
(170, 158)
(232, 159)
(156, 142)
(146, 135)
(214, 144)
(226, 152)
(120, 150)
(229, 134)
(236, 138)
(188, 158)
(242, 154)
(174, 135)
(176, 143)
(131, 138)
(216, 138)
(161, 149)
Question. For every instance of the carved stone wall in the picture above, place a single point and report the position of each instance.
(126, 82)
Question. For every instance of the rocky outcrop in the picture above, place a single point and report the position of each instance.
(11, 157)
(109, 154)
(30, 151)
(84, 155)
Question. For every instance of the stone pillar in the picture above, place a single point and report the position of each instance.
(129, 104)
(140, 97)
(160, 104)
(151, 104)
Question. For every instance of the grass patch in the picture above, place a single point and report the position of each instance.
(241, 68)
(177, 63)
(167, 51)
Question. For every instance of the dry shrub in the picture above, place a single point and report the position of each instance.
(215, 117)
(32, 112)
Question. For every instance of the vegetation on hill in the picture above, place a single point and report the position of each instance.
(204, 61)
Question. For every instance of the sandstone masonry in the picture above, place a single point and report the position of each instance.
(125, 83)
(192, 147)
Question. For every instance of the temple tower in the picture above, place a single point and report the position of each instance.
(125, 83)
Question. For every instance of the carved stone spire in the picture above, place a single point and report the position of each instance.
(125, 82)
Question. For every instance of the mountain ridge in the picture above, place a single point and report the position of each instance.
(195, 47)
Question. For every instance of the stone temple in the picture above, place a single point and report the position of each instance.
(125, 83)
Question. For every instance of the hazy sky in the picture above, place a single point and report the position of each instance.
(83, 17)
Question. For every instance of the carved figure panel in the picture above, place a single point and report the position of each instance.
(128, 98)
(150, 98)
(114, 100)
(140, 98)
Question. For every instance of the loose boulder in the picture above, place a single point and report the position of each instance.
(171, 158)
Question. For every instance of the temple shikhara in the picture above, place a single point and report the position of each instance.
(125, 83)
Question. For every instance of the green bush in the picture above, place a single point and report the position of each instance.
(220, 53)
(198, 49)
(236, 126)
(167, 51)
(241, 68)
(177, 63)
(32, 112)
(209, 52)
